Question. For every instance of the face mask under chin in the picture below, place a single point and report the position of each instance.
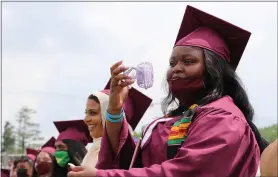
(188, 90)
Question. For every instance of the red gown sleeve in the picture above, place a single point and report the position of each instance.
(107, 159)
(218, 144)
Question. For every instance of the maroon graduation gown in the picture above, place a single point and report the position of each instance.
(219, 143)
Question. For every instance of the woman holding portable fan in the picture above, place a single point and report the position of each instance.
(209, 133)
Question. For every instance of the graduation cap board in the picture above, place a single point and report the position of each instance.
(75, 130)
(49, 146)
(135, 106)
(203, 30)
(31, 153)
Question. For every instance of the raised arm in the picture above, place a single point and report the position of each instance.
(118, 94)
(116, 134)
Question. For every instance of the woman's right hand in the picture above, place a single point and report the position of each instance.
(118, 88)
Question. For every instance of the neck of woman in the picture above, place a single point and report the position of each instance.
(97, 140)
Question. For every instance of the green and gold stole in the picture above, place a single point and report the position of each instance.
(179, 130)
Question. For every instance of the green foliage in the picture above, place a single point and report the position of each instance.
(8, 139)
(139, 134)
(27, 131)
(269, 133)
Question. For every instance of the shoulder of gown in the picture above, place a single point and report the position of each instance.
(219, 143)
(225, 103)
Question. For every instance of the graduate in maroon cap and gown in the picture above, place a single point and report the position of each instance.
(95, 117)
(45, 164)
(71, 143)
(210, 133)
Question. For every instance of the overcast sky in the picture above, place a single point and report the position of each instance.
(56, 54)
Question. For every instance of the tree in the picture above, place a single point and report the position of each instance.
(28, 131)
(139, 134)
(8, 139)
(269, 133)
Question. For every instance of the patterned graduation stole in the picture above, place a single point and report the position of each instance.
(179, 131)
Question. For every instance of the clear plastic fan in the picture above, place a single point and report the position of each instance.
(143, 74)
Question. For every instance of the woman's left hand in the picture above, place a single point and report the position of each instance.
(82, 171)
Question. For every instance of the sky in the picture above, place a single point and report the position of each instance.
(55, 54)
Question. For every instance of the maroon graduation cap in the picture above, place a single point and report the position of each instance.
(135, 106)
(203, 30)
(31, 153)
(5, 172)
(49, 146)
(75, 130)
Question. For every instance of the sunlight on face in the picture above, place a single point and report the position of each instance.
(93, 118)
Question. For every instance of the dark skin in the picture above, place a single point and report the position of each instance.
(93, 118)
(184, 62)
